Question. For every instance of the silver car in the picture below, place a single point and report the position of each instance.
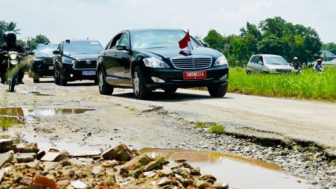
(268, 63)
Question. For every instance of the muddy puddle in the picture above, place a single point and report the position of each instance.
(40, 111)
(239, 172)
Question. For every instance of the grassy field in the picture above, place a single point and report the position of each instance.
(308, 85)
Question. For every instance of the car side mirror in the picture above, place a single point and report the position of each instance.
(121, 47)
(56, 52)
(205, 44)
(260, 62)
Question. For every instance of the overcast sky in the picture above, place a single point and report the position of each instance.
(102, 19)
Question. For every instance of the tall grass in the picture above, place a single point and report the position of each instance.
(308, 85)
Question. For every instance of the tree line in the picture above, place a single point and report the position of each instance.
(271, 36)
(31, 42)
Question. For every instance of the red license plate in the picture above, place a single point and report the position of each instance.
(195, 75)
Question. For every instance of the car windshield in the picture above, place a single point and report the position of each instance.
(45, 49)
(275, 60)
(83, 47)
(159, 39)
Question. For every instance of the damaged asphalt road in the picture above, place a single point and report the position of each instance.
(167, 121)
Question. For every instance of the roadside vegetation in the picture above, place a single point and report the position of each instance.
(213, 127)
(6, 123)
(308, 85)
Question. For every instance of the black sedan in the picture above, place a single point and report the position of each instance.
(42, 64)
(76, 60)
(146, 60)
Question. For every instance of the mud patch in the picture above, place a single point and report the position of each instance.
(239, 171)
(40, 94)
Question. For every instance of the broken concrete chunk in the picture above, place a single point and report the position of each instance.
(219, 185)
(25, 157)
(54, 156)
(7, 145)
(85, 154)
(208, 178)
(78, 184)
(155, 164)
(111, 163)
(29, 148)
(119, 153)
(165, 181)
(6, 157)
(165, 172)
(200, 184)
(137, 162)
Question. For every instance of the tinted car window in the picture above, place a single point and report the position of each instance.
(45, 49)
(159, 39)
(276, 60)
(82, 47)
(255, 59)
(124, 40)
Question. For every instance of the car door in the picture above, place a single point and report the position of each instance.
(109, 62)
(123, 59)
(58, 59)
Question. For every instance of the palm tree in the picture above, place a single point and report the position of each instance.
(4, 26)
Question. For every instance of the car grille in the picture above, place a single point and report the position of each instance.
(283, 70)
(48, 60)
(191, 62)
(83, 64)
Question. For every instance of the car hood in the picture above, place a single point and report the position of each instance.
(175, 52)
(82, 56)
(279, 66)
(44, 55)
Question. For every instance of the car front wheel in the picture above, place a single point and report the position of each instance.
(218, 91)
(104, 88)
(139, 88)
(57, 81)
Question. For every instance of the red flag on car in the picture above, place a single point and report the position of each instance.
(185, 45)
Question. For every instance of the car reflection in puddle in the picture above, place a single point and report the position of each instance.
(239, 172)
(22, 115)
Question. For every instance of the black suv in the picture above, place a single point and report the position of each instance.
(76, 60)
(42, 64)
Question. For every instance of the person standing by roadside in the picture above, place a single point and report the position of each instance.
(318, 66)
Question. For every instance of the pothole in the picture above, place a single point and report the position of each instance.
(239, 171)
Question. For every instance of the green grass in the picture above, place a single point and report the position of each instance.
(7, 122)
(308, 85)
(213, 127)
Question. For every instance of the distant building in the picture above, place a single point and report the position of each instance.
(327, 55)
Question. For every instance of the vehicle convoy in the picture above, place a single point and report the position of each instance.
(76, 60)
(268, 63)
(151, 59)
(42, 64)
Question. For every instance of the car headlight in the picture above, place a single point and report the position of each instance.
(155, 63)
(221, 61)
(13, 56)
(68, 60)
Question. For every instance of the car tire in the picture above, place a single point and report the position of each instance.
(104, 88)
(139, 88)
(218, 91)
(63, 81)
(170, 90)
(36, 79)
(57, 80)
(248, 72)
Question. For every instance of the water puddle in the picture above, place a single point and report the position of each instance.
(239, 172)
(40, 111)
(40, 94)
(7, 122)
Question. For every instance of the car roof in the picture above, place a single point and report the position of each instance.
(152, 29)
(268, 55)
(81, 40)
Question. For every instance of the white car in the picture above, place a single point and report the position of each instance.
(268, 63)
